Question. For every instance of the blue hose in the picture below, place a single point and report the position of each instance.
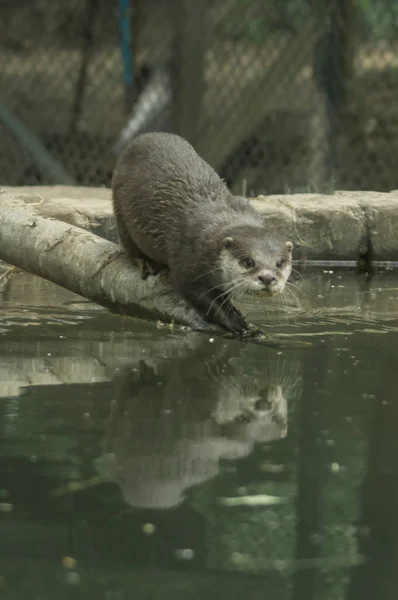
(127, 58)
(35, 148)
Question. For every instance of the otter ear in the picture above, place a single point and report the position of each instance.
(228, 242)
(289, 247)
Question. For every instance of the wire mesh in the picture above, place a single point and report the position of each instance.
(279, 96)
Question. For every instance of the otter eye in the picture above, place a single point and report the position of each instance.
(249, 263)
(280, 264)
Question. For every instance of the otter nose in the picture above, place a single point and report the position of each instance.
(267, 279)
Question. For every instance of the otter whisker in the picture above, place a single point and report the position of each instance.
(214, 270)
(241, 291)
(211, 290)
(296, 287)
(223, 303)
(228, 293)
(234, 284)
(215, 300)
(290, 288)
(282, 298)
(285, 297)
(225, 293)
(285, 304)
(298, 273)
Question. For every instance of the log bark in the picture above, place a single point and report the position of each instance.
(87, 265)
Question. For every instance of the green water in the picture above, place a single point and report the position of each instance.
(139, 462)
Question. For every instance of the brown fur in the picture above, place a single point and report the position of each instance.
(174, 212)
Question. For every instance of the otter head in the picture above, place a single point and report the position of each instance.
(251, 261)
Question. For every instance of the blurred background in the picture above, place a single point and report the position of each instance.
(277, 95)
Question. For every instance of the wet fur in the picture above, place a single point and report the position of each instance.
(173, 212)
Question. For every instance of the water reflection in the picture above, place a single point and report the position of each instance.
(114, 486)
(172, 424)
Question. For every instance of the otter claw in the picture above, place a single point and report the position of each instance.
(144, 273)
(252, 332)
(147, 269)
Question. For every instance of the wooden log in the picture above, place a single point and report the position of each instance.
(87, 265)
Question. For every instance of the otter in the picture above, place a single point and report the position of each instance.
(176, 215)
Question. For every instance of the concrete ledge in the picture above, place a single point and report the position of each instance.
(324, 227)
(342, 226)
(86, 207)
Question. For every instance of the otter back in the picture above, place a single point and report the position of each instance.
(160, 186)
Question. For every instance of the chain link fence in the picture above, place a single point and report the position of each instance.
(279, 96)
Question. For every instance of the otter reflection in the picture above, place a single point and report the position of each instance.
(170, 425)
